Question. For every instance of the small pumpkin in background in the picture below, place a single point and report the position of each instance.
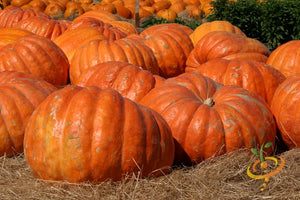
(285, 107)
(108, 138)
(159, 5)
(129, 80)
(73, 10)
(55, 10)
(99, 14)
(36, 55)
(20, 95)
(167, 14)
(226, 45)
(286, 58)
(19, 3)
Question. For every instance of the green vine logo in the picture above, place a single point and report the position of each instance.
(265, 167)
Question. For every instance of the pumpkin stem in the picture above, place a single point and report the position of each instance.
(209, 101)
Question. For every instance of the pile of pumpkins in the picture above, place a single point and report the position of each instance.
(67, 9)
(90, 100)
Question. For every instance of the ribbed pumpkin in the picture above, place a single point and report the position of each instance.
(257, 77)
(129, 80)
(227, 45)
(20, 94)
(42, 26)
(286, 58)
(153, 29)
(110, 32)
(124, 26)
(168, 14)
(9, 35)
(208, 119)
(10, 16)
(70, 41)
(36, 55)
(99, 14)
(285, 105)
(99, 51)
(171, 47)
(90, 134)
(217, 25)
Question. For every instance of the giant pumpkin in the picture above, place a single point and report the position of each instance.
(36, 55)
(20, 94)
(209, 119)
(90, 134)
(285, 105)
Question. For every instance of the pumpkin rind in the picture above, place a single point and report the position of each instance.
(129, 80)
(257, 77)
(227, 45)
(285, 107)
(208, 119)
(36, 55)
(286, 58)
(98, 141)
(20, 94)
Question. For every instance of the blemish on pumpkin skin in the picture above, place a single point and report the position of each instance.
(98, 149)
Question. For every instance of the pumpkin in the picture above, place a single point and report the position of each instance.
(36, 55)
(171, 48)
(285, 106)
(178, 6)
(48, 28)
(129, 80)
(217, 25)
(286, 58)
(159, 5)
(9, 35)
(125, 27)
(226, 45)
(99, 51)
(208, 119)
(257, 77)
(98, 141)
(20, 94)
(99, 14)
(55, 10)
(153, 29)
(110, 32)
(81, 35)
(73, 10)
(19, 3)
(123, 11)
(167, 14)
(10, 16)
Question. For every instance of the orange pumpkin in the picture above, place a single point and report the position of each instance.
(98, 141)
(20, 94)
(9, 35)
(208, 119)
(36, 55)
(167, 14)
(285, 106)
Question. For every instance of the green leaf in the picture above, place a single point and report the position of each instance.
(268, 145)
(254, 151)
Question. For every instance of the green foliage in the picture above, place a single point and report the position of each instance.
(192, 23)
(272, 22)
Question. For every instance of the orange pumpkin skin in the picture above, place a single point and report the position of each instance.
(9, 35)
(99, 14)
(208, 27)
(81, 35)
(125, 27)
(48, 28)
(168, 14)
(20, 94)
(226, 45)
(153, 29)
(9, 17)
(286, 58)
(110, 32)
(36, 55)
(171, 48)
(285, 107)
(99, 51)
(129, 80)
(208, 119)
(257, 77)
(98, 142)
